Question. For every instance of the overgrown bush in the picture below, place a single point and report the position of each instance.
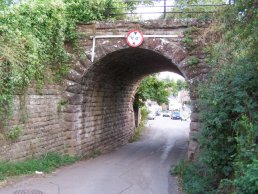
(32, 41)
(88, 10)
(229, 110)
(196, 178)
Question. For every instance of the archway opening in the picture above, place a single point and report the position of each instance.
(106, 117)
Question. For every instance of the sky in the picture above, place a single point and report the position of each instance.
(170, 75)
(158, 7)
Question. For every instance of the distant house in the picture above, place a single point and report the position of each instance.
(153, 106)
(174, 104)
(184, 97)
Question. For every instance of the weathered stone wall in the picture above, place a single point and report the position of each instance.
(39, 117)
(117, 69)
(93, 110)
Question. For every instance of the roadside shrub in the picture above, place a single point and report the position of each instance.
(229, 114)
(195, 177)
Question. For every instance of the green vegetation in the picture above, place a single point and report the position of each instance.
(33, 35)
(44, 164)
(14, 133)
(188, 42)
(194, 177)
(60, 105)
(151, 88)
(194, 9)
(193, 60)
(188, 38)
(138, 130)
(175, 86)
(228, 160)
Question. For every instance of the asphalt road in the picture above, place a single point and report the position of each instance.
(137, 168)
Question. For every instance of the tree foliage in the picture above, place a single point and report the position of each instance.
(152, 88)
(195, 9)
(176, 86)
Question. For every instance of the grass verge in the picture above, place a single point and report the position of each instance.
(138, 130)
(44, 164)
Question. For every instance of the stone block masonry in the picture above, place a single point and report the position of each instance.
(93, 109)
(39, 118)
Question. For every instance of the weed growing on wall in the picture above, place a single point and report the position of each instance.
(14, 133)
(192, 61)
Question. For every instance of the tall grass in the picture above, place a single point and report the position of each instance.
(138, 130)
(46, 163)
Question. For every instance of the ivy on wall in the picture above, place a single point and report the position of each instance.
(32, 41)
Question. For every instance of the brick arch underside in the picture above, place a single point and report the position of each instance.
(102, 115)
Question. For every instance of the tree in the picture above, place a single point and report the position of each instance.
(5, 3)
(184, 2)
(151, 88)
(181, 85)
(194, 9)
(175, 86)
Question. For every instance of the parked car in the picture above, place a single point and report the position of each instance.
(176, 115)
(151, 116)
(166, 114)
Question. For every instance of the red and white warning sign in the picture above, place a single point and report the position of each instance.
(134, 38)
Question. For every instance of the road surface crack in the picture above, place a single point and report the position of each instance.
(125, 189)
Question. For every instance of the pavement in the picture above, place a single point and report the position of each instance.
(137, 168)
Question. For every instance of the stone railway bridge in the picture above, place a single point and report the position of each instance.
(93, 109)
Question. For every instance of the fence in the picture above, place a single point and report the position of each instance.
(162, 9)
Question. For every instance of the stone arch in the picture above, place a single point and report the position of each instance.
(59, 120)
(118, 68)
(99, 114)
(172, 50)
